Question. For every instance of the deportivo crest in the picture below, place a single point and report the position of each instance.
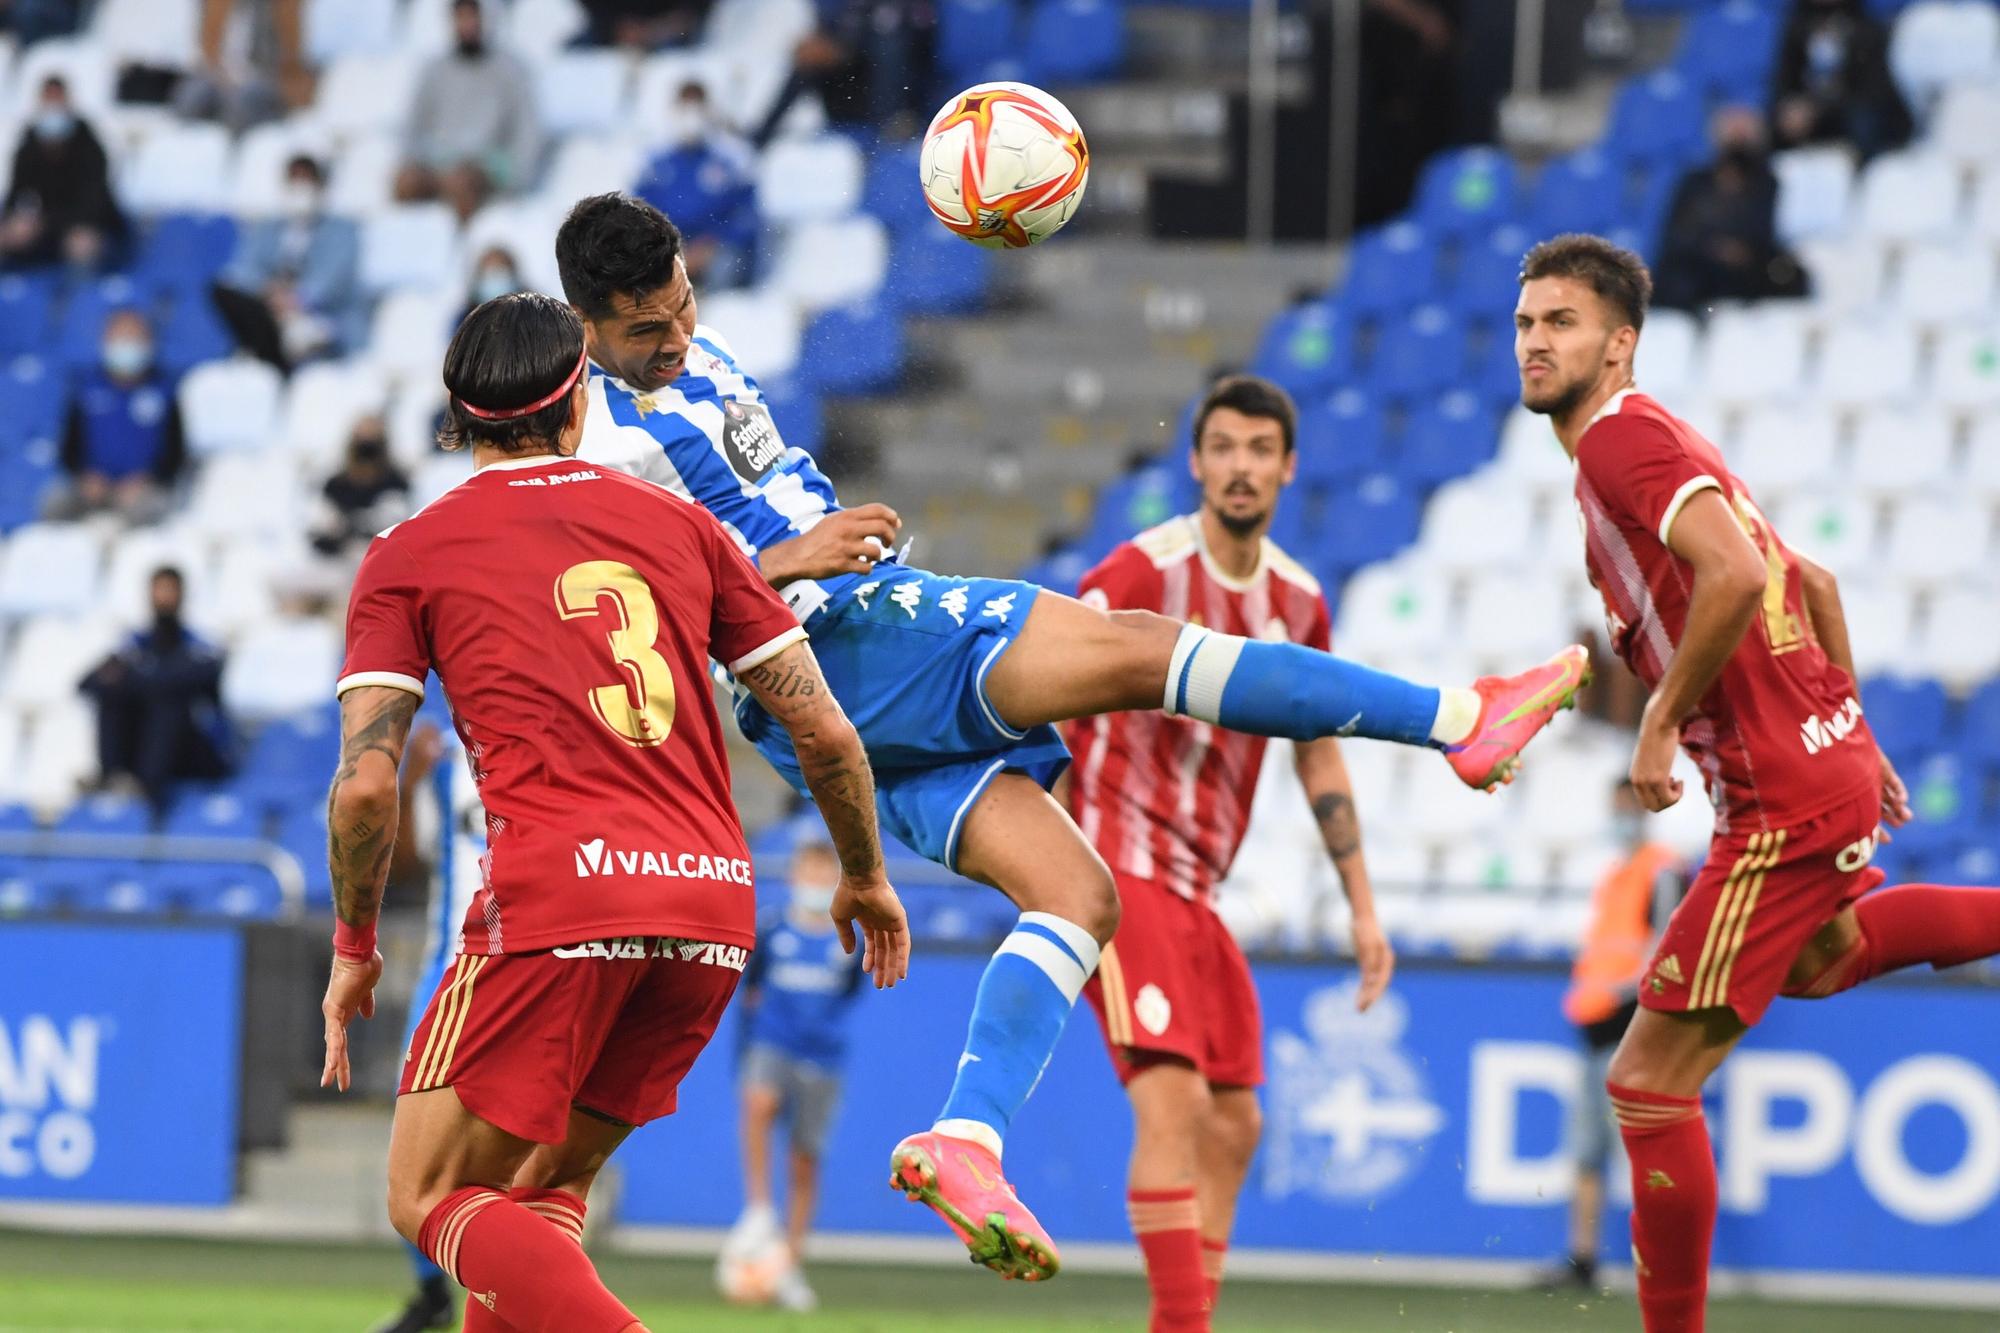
(750, 439)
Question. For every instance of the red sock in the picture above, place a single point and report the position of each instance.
(558, 1207)
(1673, 1204)
(1165, 1222)
(1911, 924)
(520, 1267)
(1214, 1253)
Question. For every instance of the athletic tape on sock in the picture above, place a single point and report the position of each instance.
(1207, 675)
(1050, 958)
(1072, 936)
(1177, 666)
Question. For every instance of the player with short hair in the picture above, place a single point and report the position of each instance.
(1745, 646)
(1166, 802)
(955, 685)
(569, 613)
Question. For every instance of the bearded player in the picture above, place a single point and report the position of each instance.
(1745, 647)
(1166, 801)
(955, 684)
(569, 613)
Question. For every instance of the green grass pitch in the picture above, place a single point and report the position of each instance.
(98, 1285)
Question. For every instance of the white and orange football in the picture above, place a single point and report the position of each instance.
(1004, 165)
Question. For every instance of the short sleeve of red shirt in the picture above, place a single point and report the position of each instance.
(386, 644)
(750, 623)
(1641, 473)
(1320, 636)
(1125, 580)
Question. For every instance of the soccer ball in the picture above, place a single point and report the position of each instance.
(749, 1275)
(1003, 165)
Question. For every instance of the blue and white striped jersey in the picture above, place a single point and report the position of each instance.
(708, 437)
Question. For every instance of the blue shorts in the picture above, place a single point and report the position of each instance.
(907, 654)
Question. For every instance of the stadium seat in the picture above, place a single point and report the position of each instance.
(1658, 121)
(1514, 616)
(51, 653)
(1306, 349)
(257, 180)
(192, 334)
(764, 329)
(1486, 278)
(538, 28)
(365, 94)
(135, 553)
(1880, 624)
(1966, 128)
(1866, 364)
(932, 272)
(436, 475)
(411, 330)
(161, 33)
(1579, 192)
(80, 333)
(825, 264)
(1902, 450)
(324, 401)
(1907, 713)
(1447, 437)
(246, 495)
(805, 180)
(83, 64)
(61, 754)
(798, 410)
(1479, 522)
(1389, 270)
(1420, 355)
(336, 28)
(1979, 471)
(972, 34)
(855, 348)
(1965, 368)
(1667, 355)
(1531, 454)
(1934, 541)
(184, 168)
(1342, 436)
(410, 246)
(583, 92)
(1466, 192)
(242, 890)
(230, 406)
(1846, 273)
(1074, 41)
(212, 812)
(1945, 281)
(1373, 521)
(280, 668)
(181, 253)
(1815, 192)
(1938, 42)
(26, 312)
(1909, 196)
(1726, 50)
(364, 176)
(1754, 354)
(1835, 528)
(50, 568)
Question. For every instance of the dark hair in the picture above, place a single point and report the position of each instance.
(55, 83)
(1253, 397)
(512, 351)
(1618, 276)
(612, 243)
(168, 572)
(309, 162)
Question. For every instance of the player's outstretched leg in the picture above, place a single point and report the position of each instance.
(1072, 660)
(1888, 929)
(1019, 840)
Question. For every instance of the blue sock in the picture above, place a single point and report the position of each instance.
(426, 1270)
(1025, 997)
(1285, 689)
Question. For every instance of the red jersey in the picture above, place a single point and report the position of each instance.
(1779, 737)
(1167, 799)
(570, 612)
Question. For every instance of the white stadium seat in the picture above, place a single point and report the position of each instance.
(1846, 272)
(1901, 450)
(246, 495)
(1756, 354)
(1938, 42)
(1880, 619)
(183, 169)
(426, 29)
(1665, 362)
(13, 736)
(136, 553)
(759, 26)
(537, 29)
(257, 181)
(1965, 369)
(240, 596)
(1862, 364)
(1397, 607)
(50, 567)
(281, 667)
(1478, 522)
(164, 33)
(340, 28)
(1981, 469)
(364, 176)
(764, 328)
(61, 755)
(1815, 188)
(1945, 281)
(594, 164)
(809, 179)
(230, 406)
(583, 92)
(325, 400)
(411, 331)
(1511, 616)
(1783, 448)
(52, 654)
(1961, 639)
(1911, 196)
(1967, 126)
(366, 94)
(1933, 541)
(526, 229)
(1530, 453)
(1836, 528)
(824, 264)
(438, 474)
(1984, 213)
(409, 245)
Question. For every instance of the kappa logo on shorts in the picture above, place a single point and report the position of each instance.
(1153, 1009)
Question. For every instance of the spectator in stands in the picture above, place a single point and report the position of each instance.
(159, 706)
(496, 273)
(1721, 241)
(367, 495)
(706, 182)
(643, 25)
(1833, 83)
(252, 69)
(121, 444)
(475, 128)
(871, 61)
(59, 205)
(293, 290)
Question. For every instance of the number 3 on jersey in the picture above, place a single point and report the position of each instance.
(641, 708)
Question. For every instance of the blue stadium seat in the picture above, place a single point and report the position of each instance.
(1946, 795)
(1419, 355)
(1075, 41)
(1979, 724)
(1906, 714)
(31, 399)
(292, 758)
(183, 252)
(80, 332)
(107, 814)
(245, 891)
(1342, 436)
(1389, 270)
(1307, 349)
(1581, 192)
(193, 333)
(890, 191)
(855, 349)
(972, 35)
(1492, 372)
(1466, 192)
(798, 412)
(17, 819)
(22, 891)
(1060, 570)
(932, 272)
(1134, 503)
(27, 311)
(130, 888)
(1368, 522)
(1488, 281)
(213, 812)
(1658, 120)
(1727, 51)
(1447, 437)
(304, 836)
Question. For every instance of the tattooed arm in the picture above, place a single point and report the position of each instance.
(792, 690)
(360, 836)
(1330, 793)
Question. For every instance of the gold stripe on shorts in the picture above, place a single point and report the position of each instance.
(453, 1006)
(1731, 922)
(1117, 1013)
(1769, 862)
(1717, 929)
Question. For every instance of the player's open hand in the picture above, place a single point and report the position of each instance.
(1653, 780)
(885, 930)
(349, 991)
(1376, 959)
(848, 542)
(1895, 796)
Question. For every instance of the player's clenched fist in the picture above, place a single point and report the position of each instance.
(847, 542)
(885, 930)
(349, 991)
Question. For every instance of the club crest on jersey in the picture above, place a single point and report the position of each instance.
(750, 439)
(595, 858)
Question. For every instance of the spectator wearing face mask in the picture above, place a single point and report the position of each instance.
(1832, 82)
(121, 444)
(705, 180)
(475, 129)
(59, 206)
(494, 275)
(159, 704)
(368, 494)
(293, 290)
(1721, 235)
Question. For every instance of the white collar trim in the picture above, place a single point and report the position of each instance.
(1612, 406)
(1216, 571)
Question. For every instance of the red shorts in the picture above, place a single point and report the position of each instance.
(611, 1027)
(1757, 901)
(1174, 982)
